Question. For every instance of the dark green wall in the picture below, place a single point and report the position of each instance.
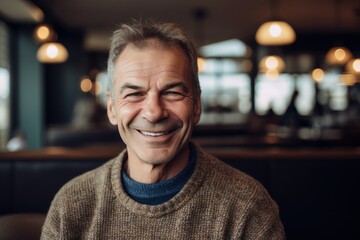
(62, 81)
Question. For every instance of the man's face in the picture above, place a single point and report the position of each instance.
(153, 104)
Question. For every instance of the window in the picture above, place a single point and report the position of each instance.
(4, 87)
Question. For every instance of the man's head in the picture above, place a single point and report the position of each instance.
(138, 33)
(154, 93)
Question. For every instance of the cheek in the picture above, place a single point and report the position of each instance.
(126, 112)
(184, 111)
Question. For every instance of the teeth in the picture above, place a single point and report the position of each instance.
(153, 134)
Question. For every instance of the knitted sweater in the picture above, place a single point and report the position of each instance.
(217, 202)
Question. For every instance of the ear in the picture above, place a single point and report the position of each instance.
(111, 111)
(197, 112)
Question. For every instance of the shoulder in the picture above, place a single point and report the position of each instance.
(232, 183)
(249, 203)
(86, 183)
(76, 201)
(222, 173)
(84, 190)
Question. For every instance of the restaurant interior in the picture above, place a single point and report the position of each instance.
(280, 84)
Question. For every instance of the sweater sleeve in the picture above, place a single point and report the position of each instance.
(52, 225)
(263, 220)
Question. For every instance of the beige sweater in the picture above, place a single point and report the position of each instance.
(218, 202)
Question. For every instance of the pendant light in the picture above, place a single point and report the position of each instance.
(272, 63)
(318, 75)
(44, 33)
(338, 55)
(271, 66)
(275, 33)
(353, 66)
(52, 52)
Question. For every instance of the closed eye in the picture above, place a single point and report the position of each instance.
(172, 93)
(134, 94)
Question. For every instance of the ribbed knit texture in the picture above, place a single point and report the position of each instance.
(217, 202)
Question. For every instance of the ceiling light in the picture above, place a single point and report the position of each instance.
(271, 63)
(338, 56)
(86, 85)
(52, 53)
(44, 33)
(353, 66)
(275, 33)
(318, 74)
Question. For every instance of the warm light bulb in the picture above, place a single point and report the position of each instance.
(338, 56)
(275, 30)
(275, 33)
(356, 65)
(318, 74)
(43, 32)
(86, 85)
(52, 51)
(353, 66)
(271, 63)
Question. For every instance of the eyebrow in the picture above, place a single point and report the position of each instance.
(129, 86)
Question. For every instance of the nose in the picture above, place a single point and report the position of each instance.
(153, 109)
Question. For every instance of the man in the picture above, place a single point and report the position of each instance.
(162, 186)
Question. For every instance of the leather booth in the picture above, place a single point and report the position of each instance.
(316, 190)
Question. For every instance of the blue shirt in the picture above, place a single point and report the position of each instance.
(158, 193)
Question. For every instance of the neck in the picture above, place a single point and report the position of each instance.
(144, 172)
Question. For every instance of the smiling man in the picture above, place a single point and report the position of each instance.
(162, 186)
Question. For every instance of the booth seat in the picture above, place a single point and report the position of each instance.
(317, 190)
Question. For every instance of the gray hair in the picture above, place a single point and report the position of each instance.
(168, 34)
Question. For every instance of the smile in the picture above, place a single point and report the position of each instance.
(153, 134)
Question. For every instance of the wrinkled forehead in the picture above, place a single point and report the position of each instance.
(152, 58)
(152, 42)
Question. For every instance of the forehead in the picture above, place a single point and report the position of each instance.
(152, 44)
(152, 57)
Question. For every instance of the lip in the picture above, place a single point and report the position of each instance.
(153, 134)
(157, 136)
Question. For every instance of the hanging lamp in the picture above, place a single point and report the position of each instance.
(353, 66)
(338, 55)
(52, 52)
(271, 63)
(44, 33)
(275, 32)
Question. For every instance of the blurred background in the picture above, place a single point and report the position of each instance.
(281, 99)
(303, 89)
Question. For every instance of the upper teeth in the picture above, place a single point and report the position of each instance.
(153, 134)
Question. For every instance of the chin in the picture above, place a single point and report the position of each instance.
(156, 157)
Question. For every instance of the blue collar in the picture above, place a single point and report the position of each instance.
(158, 193)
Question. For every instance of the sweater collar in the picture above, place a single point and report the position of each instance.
(189, 189)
